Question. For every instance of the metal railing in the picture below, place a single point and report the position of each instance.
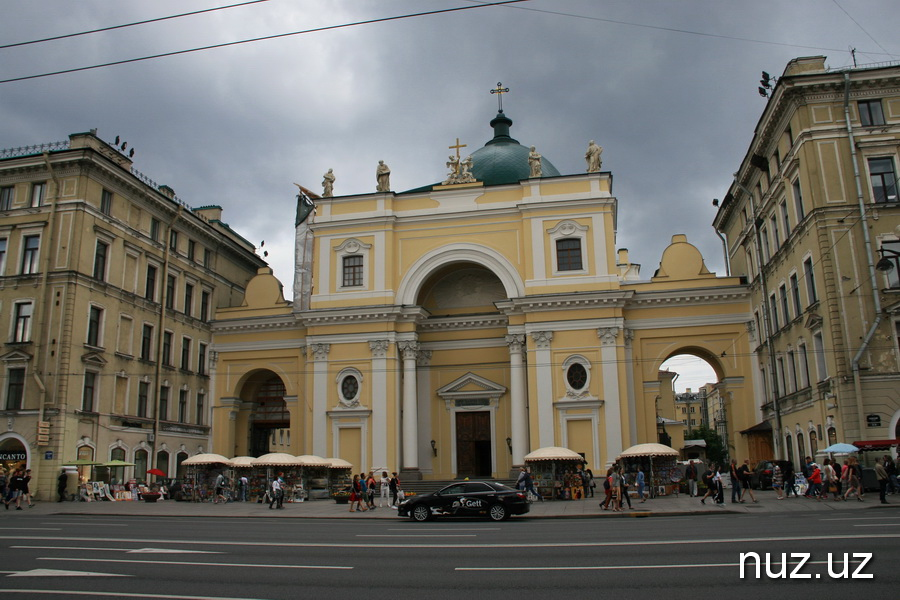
(32, 150)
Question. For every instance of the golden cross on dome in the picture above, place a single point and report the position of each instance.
(457, 147)
(500, 90)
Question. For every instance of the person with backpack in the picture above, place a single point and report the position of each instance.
(708, 482)
(607, 489)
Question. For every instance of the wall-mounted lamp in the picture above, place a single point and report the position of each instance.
(509, 444)
(434, 447)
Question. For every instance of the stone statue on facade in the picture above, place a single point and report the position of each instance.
(592, 156)
(453, 175)
(382, 177)
(534, 163)
(465, 171)
(328, 184)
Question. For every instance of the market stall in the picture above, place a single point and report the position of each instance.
(242, 467)
(659, 464)
(552, 469)
(313, 482)
(202, 470)
(340, 475)
(267, 467)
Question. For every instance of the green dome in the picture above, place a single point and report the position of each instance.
(503, 159)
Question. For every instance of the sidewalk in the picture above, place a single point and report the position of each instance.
(328, 509)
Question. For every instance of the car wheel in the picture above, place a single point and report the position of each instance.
(420, 513)
(498, 512)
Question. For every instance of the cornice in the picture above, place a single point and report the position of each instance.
(467, 323)
(570, 301)
(691, 297)
(356, 314)
(256, 324)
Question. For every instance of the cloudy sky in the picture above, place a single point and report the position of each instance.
(668, 88)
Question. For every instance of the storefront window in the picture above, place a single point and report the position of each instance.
(140, 465)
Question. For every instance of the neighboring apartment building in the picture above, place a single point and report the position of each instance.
(812, 221)
(108, 284)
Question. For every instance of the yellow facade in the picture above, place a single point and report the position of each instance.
(455, 328)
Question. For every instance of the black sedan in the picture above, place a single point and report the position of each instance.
(467, 499)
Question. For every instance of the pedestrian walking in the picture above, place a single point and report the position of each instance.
(639, 480)
(718, 482)
(27, 491)
(615, 486)
(394, 486)
(16, 489)
(245, 488)
(607, 489)
(882, 476)
(852, 479)
(777, 481)
(61, 483)
(385, 487)
(356, 497)
(370, 491)
(711, 471)
(815, 481)
(277, 492)
(221, 482)
(829, 480)
(623, 488)
(690, 473)
(789, 480)
(588, 477)
(746, 481)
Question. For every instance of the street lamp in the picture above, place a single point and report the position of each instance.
(889, 262)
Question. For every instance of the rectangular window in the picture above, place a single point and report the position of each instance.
(89, 391)
(126, 331)
(154, 229)
(95, 321)
(22, 319)
(798, 201)
(883, 179)
(15, 389)
(773, 308)
(7, 193)
(870, 113)
(3, 243)
(106, 202)
(167, 349)
(207, 258)
(182, 406)
(890, 253)
(201, 359)
(147, 342)
(143, 396)
(191, 250)
(352, 271)
(792, 371)
(186, 354)
(188, 299)
(37, 194)
(804, 366)
(164, 403)
(782, 296)
(173, 240)
(204, 306)
(819, 349)
(100, 255)
(201, 400)
(781, 389)
(785, 218)
(795, 295)
(811, 294)
(30, 253)
(170, 291)
(568, 255)
(150, 289)
(776, 234)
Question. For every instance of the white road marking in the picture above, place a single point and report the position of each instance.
(57, 573)
(560, 544)
(48, 593)
(417, 535)
(614, 567)
(445, 529)
(859, 518)
(30, 529)
(877, 525)
(92, 524)
(130, 550)
(192, 564)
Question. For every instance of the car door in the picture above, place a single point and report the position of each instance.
(449, 499)
(475, 499)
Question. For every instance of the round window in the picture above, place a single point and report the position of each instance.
(577, 376)
(349, 387)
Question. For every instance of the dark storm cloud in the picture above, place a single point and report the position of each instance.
(237, 126)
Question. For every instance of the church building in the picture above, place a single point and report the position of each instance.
(449, 330)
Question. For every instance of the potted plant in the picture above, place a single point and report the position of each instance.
(151, 496)
(341, 496)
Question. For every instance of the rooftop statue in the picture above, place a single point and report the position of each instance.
(592, 156)
(328, 184)
(534, 163)
(383, 177)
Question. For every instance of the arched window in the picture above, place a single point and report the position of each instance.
(832, 436)
(789, 448)
(117, 474)
(140, 465)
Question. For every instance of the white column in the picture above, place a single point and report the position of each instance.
(544, 371)
(379, 402)
(409, 350)
(632, 403)
(611, 391)
(320, 398)
(518, 413)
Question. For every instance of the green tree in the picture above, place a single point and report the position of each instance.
(715, 450)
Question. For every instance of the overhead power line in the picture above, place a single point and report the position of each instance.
(259, 39)
(124, 25)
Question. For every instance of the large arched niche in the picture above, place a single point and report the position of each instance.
(246, 386)
(432, 263)
(713, 360)
(460, 288)
(264, 408)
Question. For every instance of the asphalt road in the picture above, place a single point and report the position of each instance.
(56, 556)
